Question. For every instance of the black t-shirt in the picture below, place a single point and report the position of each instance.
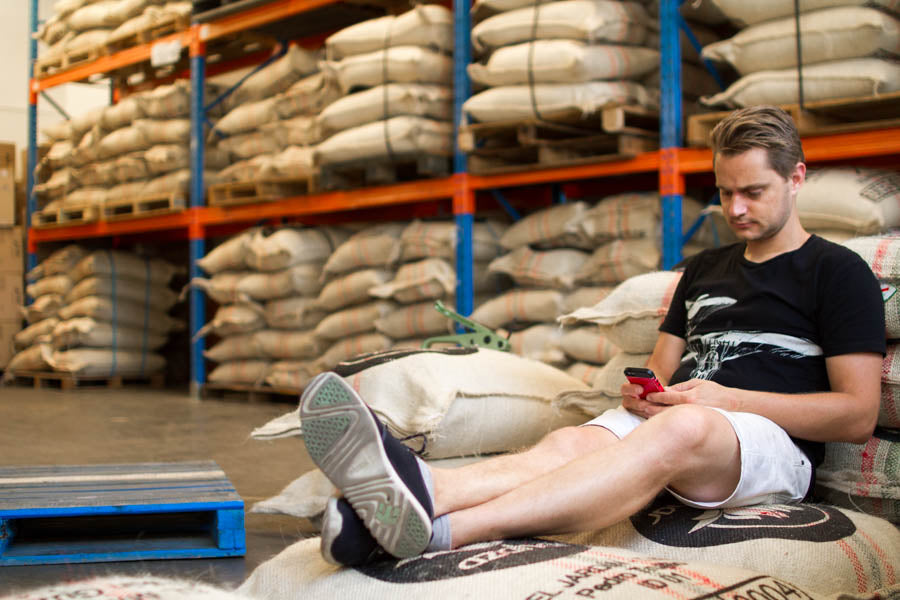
(769, 326)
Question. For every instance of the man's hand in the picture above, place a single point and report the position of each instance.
(695, 391)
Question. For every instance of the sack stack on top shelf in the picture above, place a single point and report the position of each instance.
(124, 160)
(269, 130)
(848, 51)
(97, 314)
(558, 65)
(570, 256)
(395, 118)
(81, 31)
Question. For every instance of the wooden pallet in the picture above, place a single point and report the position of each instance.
(103, 513)
(385, 170)
(167, 26)
(66, 216)
(823, 117)
(144, 206)
(265, 190)
(614, 133)
(45, 67)
(68, 381)
(249, 393)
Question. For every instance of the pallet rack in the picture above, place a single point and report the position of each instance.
(671, 164)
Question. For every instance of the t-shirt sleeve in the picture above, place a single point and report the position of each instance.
(851, 313)
(675, 321)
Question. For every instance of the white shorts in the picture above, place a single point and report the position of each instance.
(773, 469)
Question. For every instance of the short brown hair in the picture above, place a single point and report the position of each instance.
(766, 127)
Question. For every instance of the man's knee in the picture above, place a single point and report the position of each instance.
(688, 428)
(572, 442)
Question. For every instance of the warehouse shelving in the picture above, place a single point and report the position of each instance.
(668, 167)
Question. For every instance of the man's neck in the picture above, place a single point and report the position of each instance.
(790, 238)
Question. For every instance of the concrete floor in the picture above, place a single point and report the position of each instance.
(89, 426)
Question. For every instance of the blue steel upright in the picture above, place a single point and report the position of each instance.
(462, 56)
(670, 130)
(196, 233)
(30, 199)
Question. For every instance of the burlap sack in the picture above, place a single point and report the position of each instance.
(254, 143)
(122, 141)
(292, 162)
(242, 372)
(584, 372)
(542, 342)
(64, 180)
(556, 226)
(99, 174)
(122, 113)
(163, 158)
(83, 122)
(36, 332)
(863, 477)
(240, 346)
(291, 374)
(54, 284)
(570, 101)
(585, 20)
(223, 287)
(633, 215)
(286, 344)
(351, 289)
(117, 263)
(827, 35)
(375, 246)
(130, 167)
(302, 279)
(588, 344)
(531, 568)
(297, 131)
(227, 255)
(29, 359)
(606, 386)
(293, 313)
(889, 411)
(383, 139)
(86, 196)
(60, 261)
(385, 101)
(43, 307)
(518, 305)
(246, 118)
(399, 64)
(350, 347)
(165, 131)
(59, 154)
(96, 15)
(630, 316)
(424, 239)
(122, 312)
(428, 25)
(563, 61)
(750, 13)
(695, 81)
(308, 96)
(132, 289)
(858, 200)
(353, 320)
(419, 320)
(585, 297)
(85, 331)
(106, 362)
(421, 280)
(127, 191)
(170, 101)
(852, 78)
(269, 250)
(114, 587)
(247, 170)
(276, 77)
(234, 319)
(882, 254)
(618, 260)
(549, 268)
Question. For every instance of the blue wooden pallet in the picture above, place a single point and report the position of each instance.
(119, 512)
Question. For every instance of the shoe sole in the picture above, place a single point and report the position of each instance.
(344, 442)
(332, 523)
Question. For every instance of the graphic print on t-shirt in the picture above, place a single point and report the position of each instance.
(712, 349)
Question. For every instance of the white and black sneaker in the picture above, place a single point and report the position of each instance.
(378, 476)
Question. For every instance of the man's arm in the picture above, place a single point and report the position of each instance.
(847, 413)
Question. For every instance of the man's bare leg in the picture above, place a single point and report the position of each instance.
(477, 483)
(690, 448)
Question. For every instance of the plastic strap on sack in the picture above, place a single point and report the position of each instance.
(799, 54)
(384, 86)
(479, 336)
(534, 27)
(115, 314)
(146, 315)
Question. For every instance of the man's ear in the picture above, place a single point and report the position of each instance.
(798, 176)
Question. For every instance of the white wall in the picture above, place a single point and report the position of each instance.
(14, 75)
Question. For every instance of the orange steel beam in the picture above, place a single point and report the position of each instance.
(647, 162)
(180, 220)
(112, 62)
(330, 202)
(255, 17)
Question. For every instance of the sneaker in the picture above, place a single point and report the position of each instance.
(345, 539)
(378, 475)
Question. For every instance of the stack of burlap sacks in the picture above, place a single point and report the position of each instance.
(77, 25)
(100, 313)
(383, 91)
(136, 148)
(570, 256)
(331, 297)
(849, 50)
(559, 60)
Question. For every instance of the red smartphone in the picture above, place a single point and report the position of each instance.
(645, 378)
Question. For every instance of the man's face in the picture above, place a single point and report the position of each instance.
(756, 201)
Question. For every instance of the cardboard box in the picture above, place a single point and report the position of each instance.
(7, 198)
(8, 157)
(12, 294)
(12, 250)
(8, 330)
